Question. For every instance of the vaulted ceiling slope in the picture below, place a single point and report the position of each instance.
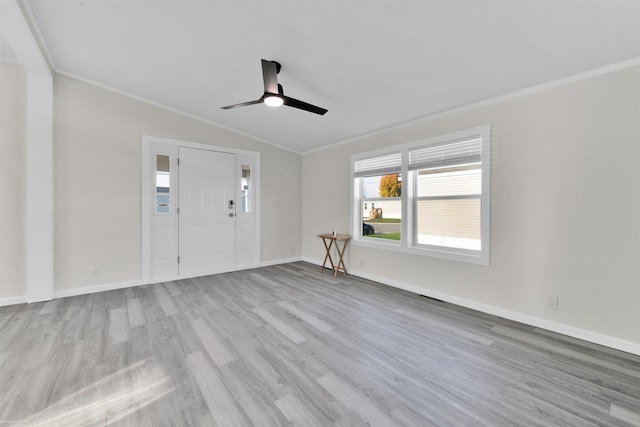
(373, 64)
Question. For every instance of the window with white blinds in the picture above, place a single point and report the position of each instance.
(380, 181)
(448, 183)
(444, 202)
(381, 165)
(447, 154)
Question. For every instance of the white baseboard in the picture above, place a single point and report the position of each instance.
(138, 282)
(64, 293)
(202, 273)
(13, 300)
(280, 261)
(593, 337)
(596, 338)
(315, 261)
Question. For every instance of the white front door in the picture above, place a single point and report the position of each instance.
(216, 191)
(207, 216)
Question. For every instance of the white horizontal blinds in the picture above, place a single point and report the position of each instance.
(447, 154)
(448, 184)
(382, 165)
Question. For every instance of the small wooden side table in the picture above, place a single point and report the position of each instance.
(330, 237)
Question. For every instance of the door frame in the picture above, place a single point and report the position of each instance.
(146, 200)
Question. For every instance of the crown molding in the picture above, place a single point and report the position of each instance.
(490, 101)
(171, 109)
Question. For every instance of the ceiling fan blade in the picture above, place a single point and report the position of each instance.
(272, 91)
(242, 104)
(270, 76)
(295, 103)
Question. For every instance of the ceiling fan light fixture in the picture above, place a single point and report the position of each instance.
(273, 94)
(273, 101)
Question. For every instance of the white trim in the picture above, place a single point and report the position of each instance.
(39, 38)
(549, 325)
(407, 245)
(39, 192)
(13, 300)
(593, 337)
(173, 110)
(443, 114)
(201, 273)
(196, 145)
(600, 339)
(138, 282)
(19, 33)
(255, 160)
(145, 208)
(281, 261)
(17, 30)
(418, 250)
(489, 101)
(84, 290)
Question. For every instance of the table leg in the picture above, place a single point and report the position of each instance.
(328, 255)
(341, 260)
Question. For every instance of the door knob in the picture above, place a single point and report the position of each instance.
(232, 214)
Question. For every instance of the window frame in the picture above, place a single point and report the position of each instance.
(408, 243)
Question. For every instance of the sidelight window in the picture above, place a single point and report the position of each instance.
(163, 184)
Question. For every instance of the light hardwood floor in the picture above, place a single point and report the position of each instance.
(285, 345)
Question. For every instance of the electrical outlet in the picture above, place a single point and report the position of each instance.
(552, 302)
(94, 273)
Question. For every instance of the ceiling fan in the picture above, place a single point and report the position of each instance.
(273, 94)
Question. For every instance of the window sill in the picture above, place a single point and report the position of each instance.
(472, 257)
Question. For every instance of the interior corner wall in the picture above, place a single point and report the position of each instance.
(97, 149)
(565, 208)
(13, 109)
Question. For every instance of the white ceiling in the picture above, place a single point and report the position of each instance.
(372, 64)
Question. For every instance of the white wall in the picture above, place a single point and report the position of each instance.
(13, 108)
(97, 183)
(565, 218)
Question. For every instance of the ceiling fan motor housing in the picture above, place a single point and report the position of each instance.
(270, 70)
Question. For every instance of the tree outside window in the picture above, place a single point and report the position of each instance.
(390, 185)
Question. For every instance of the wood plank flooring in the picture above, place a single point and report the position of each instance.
(285, 345)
